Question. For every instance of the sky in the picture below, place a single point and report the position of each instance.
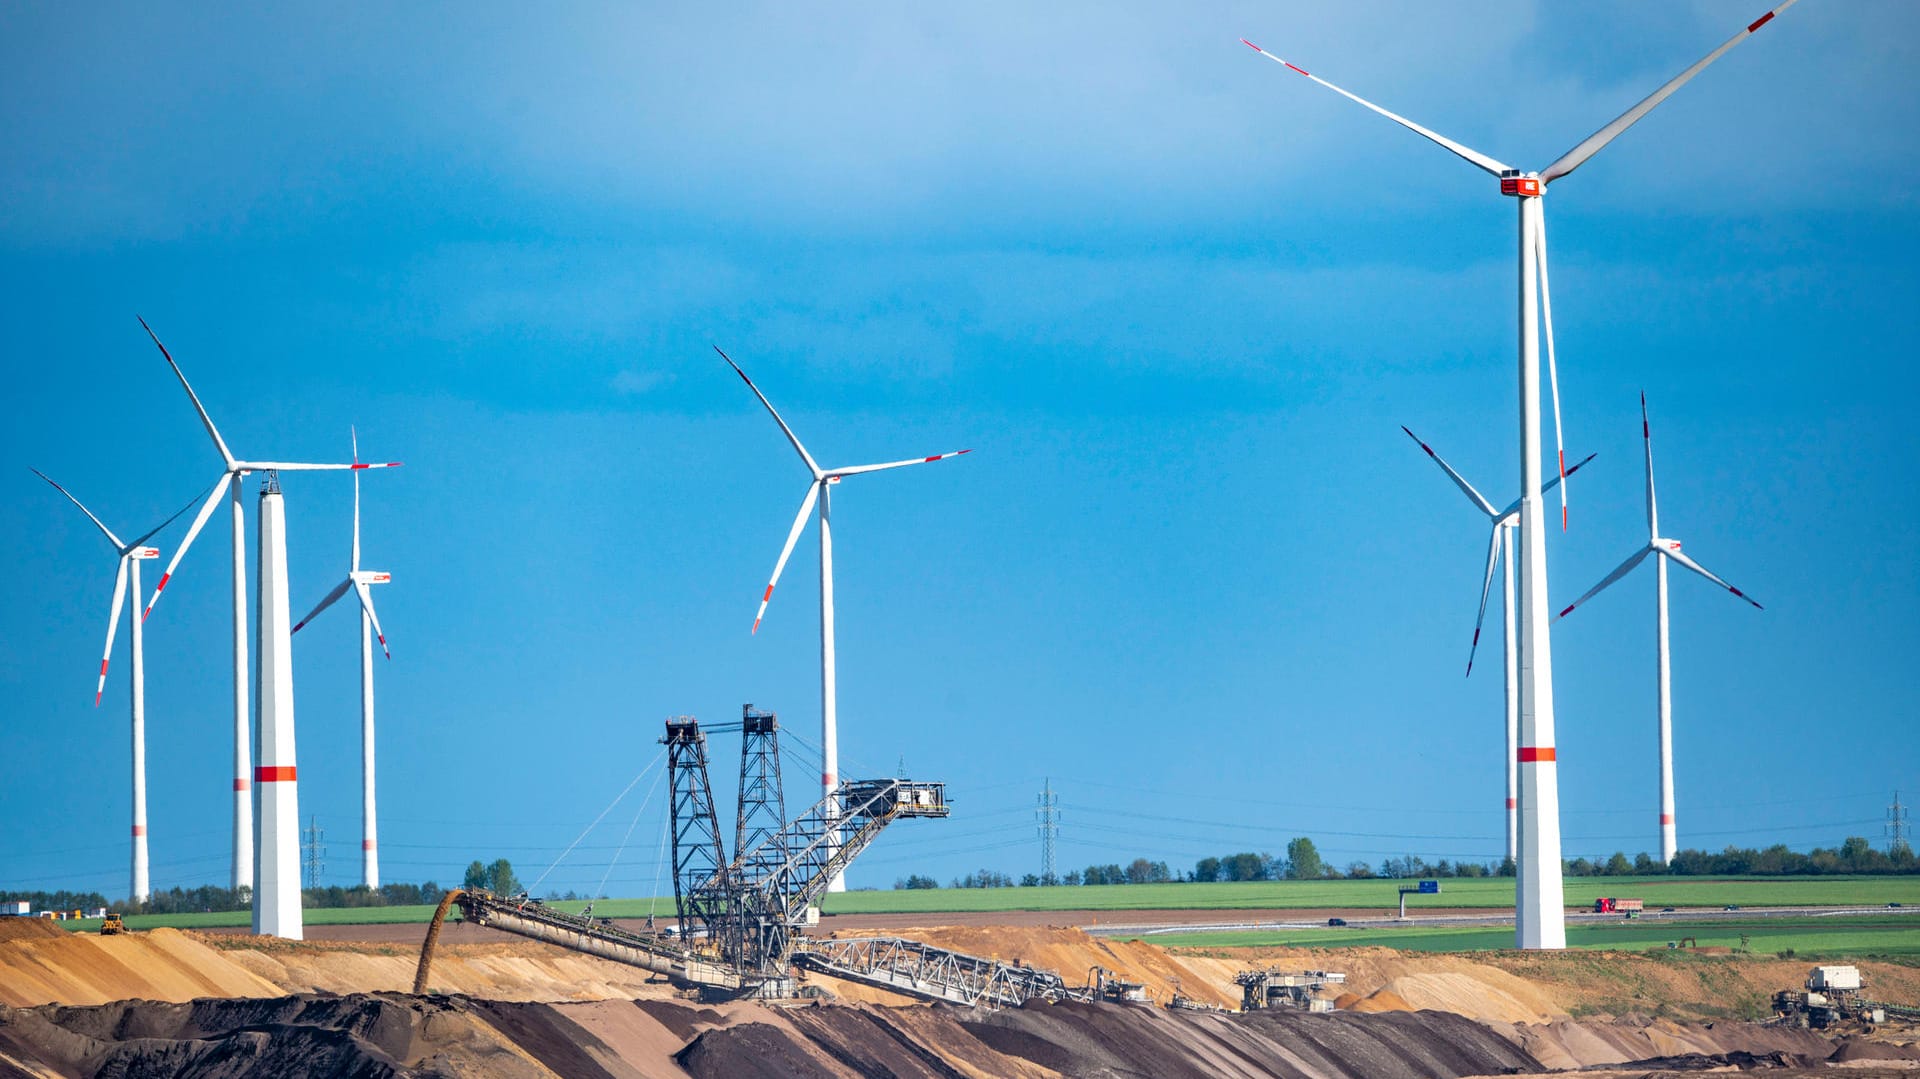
(1177, 300)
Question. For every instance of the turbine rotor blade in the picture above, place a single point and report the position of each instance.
(366, 604)
(791, 437)
(1624, 569)
(302, 466)
(793, 537)
(859, 469)
(1460, 481)
(151, 532)
(1593, 143)
(1673, 551)
(1467, 153)
(1514, 506)
(1495, 545)
(354, 563)
(1653, 504)
(1553, 364)
(113, 626)
(97, 523)
(338, 591)
(199, 521)
(214, 432)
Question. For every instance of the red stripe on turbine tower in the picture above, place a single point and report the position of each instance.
(276, 773)
(139, 829)
(1666, 818)
(239, 784)
(1510, 803)
(1536, 754)
(366, 844)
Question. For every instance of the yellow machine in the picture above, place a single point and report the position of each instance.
(112, 925)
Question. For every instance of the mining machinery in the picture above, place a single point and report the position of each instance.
(1836, 996)
(741, 922)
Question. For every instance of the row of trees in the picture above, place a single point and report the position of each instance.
(1854, 856)
(60, 900)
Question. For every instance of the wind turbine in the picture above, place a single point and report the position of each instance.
(1539, 911)
(232, 478)
(1498, 544)
(130, 555)
(1665, 549)
(359, 580)
(817, 491)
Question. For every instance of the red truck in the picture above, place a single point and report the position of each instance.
(1618, 906)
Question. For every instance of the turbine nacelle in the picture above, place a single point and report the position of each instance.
(1521, 185)
(144, 553)
(370, 577)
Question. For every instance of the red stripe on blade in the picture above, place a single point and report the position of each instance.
(1759, 22)
(277, 773)
(1302, 71)
(1536, 754)
(768, 596)
(1568, 611)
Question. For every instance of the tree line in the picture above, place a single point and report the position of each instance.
(1854, 856)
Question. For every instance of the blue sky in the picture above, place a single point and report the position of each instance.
(1178, 300)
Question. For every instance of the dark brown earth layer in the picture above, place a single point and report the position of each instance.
(397, 1035)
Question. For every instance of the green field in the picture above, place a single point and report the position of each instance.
(1487, 892)
(1493, 893)
(1836, 938)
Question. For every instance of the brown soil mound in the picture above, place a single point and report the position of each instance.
(1863, 1049)
(17, 928)
(1382, 1000)
(1540, 987)
(396, 1035)
(1071, 952)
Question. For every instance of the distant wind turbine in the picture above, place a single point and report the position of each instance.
(130, 555)
(1539, 908)
(1664, 549)
(359, 580)
(817, 492)
(232, 477)
(1498, 544)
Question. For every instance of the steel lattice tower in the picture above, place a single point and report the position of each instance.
(315, 853)
(1897, 826)
(1047, 813)
(699, 859)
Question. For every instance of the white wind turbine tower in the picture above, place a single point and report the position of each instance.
(1665, 549)
(817, 491)
(130, 555)
(232, 477)
(359, 580)
(1498, 544)
(1539, 909)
